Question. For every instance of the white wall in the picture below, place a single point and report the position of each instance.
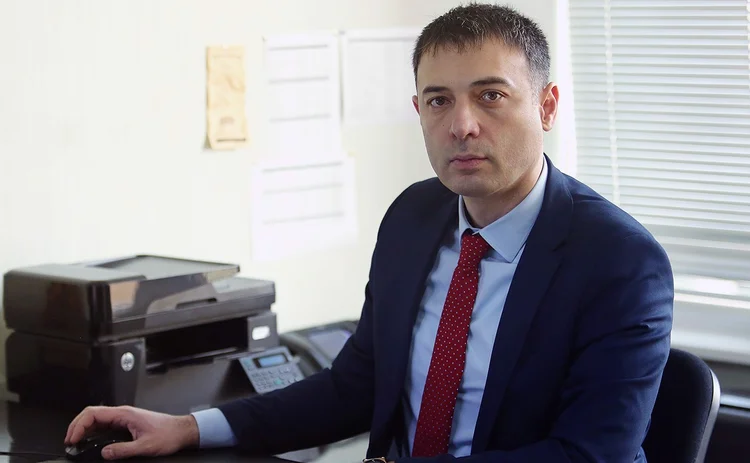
(102, 138)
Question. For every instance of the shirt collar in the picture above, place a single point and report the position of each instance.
(508, 234)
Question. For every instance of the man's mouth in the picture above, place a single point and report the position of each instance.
(467, 160)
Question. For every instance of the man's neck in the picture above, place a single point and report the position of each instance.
(481, 212)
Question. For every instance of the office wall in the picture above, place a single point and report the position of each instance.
(102, 138)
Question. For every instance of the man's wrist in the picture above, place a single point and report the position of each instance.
(376, 460)
(188, 429)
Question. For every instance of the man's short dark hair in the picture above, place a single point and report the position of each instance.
(473, 24)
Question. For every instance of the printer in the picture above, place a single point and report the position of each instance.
(156, 332)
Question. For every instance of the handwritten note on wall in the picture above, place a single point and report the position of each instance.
(225, 97)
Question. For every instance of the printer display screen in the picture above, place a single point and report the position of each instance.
(271, 360)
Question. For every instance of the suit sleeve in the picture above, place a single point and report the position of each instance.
(327, 407)
(622, 342)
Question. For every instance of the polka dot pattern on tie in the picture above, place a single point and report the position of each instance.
(449, 354)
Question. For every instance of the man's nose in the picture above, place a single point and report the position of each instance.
(464, 123)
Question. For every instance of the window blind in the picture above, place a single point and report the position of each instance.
(661, 93)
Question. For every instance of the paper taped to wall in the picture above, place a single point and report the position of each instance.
(304, 89)
(378, 79)
(225, 97)
(302, 207)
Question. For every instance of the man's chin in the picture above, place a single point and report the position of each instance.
(469, 188)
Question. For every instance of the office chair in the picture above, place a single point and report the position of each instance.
(685, 411)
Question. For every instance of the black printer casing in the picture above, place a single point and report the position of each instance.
(148, 331)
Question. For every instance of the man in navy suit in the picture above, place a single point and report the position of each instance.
(511, 315)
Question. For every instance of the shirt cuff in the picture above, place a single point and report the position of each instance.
(214, 429)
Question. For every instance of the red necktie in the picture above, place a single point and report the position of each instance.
(449, 355)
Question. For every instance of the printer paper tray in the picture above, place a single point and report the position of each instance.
(203, 357)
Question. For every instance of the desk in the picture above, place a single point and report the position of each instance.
(31, 429)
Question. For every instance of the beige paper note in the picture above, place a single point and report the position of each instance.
(225, 88)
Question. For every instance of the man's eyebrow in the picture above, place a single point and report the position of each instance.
(491, 81)
(434, 89)
(477, 83)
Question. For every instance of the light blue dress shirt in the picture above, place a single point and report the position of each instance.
(507, 237)
(214, 429)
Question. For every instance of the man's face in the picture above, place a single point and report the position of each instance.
(482, 118)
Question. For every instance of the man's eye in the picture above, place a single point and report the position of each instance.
(438, 101)
(491, 96)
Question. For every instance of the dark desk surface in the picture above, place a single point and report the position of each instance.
(29, 429)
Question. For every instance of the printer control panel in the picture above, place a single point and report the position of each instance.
(271, 369)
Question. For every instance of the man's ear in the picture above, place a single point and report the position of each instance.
(549, 99)
(415, 102)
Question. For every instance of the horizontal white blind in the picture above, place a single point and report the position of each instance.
(662, 109)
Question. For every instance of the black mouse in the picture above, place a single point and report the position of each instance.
(90, 448)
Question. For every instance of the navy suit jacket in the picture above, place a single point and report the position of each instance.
(576, 364)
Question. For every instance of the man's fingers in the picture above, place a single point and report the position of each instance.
(86, 421)
(92, 418)
(123, 450)
(70, 429)
(84, 417)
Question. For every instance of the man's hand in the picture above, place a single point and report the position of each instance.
(153, 433)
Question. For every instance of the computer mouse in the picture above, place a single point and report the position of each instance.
(90, 448)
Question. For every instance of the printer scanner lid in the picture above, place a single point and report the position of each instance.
(129, 295)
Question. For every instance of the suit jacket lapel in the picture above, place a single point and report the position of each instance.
(535, 270)
(408, 284)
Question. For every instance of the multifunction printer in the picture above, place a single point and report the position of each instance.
(166, 334)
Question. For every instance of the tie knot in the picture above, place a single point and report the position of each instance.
(473, 248)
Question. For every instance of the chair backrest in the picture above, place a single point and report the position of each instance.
(685, 411)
